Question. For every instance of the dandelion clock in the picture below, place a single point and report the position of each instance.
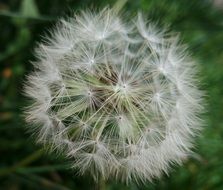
(117, 99)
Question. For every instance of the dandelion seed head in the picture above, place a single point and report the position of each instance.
(118, 99)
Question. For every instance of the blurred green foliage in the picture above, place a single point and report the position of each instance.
(23, 165)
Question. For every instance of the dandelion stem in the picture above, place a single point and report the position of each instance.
(101, 185)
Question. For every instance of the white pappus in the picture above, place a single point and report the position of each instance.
(118, 99)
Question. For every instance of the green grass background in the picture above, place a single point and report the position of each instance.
(24, 166)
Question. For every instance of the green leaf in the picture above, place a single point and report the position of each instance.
(42, 169)
(29, 9)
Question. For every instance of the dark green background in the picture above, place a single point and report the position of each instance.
(22, 22)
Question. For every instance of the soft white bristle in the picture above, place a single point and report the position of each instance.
(118, 99)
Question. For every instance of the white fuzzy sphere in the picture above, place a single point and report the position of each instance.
(119, 99)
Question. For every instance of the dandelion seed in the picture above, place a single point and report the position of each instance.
(118, 99)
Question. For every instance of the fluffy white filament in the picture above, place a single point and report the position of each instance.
(118, 99)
